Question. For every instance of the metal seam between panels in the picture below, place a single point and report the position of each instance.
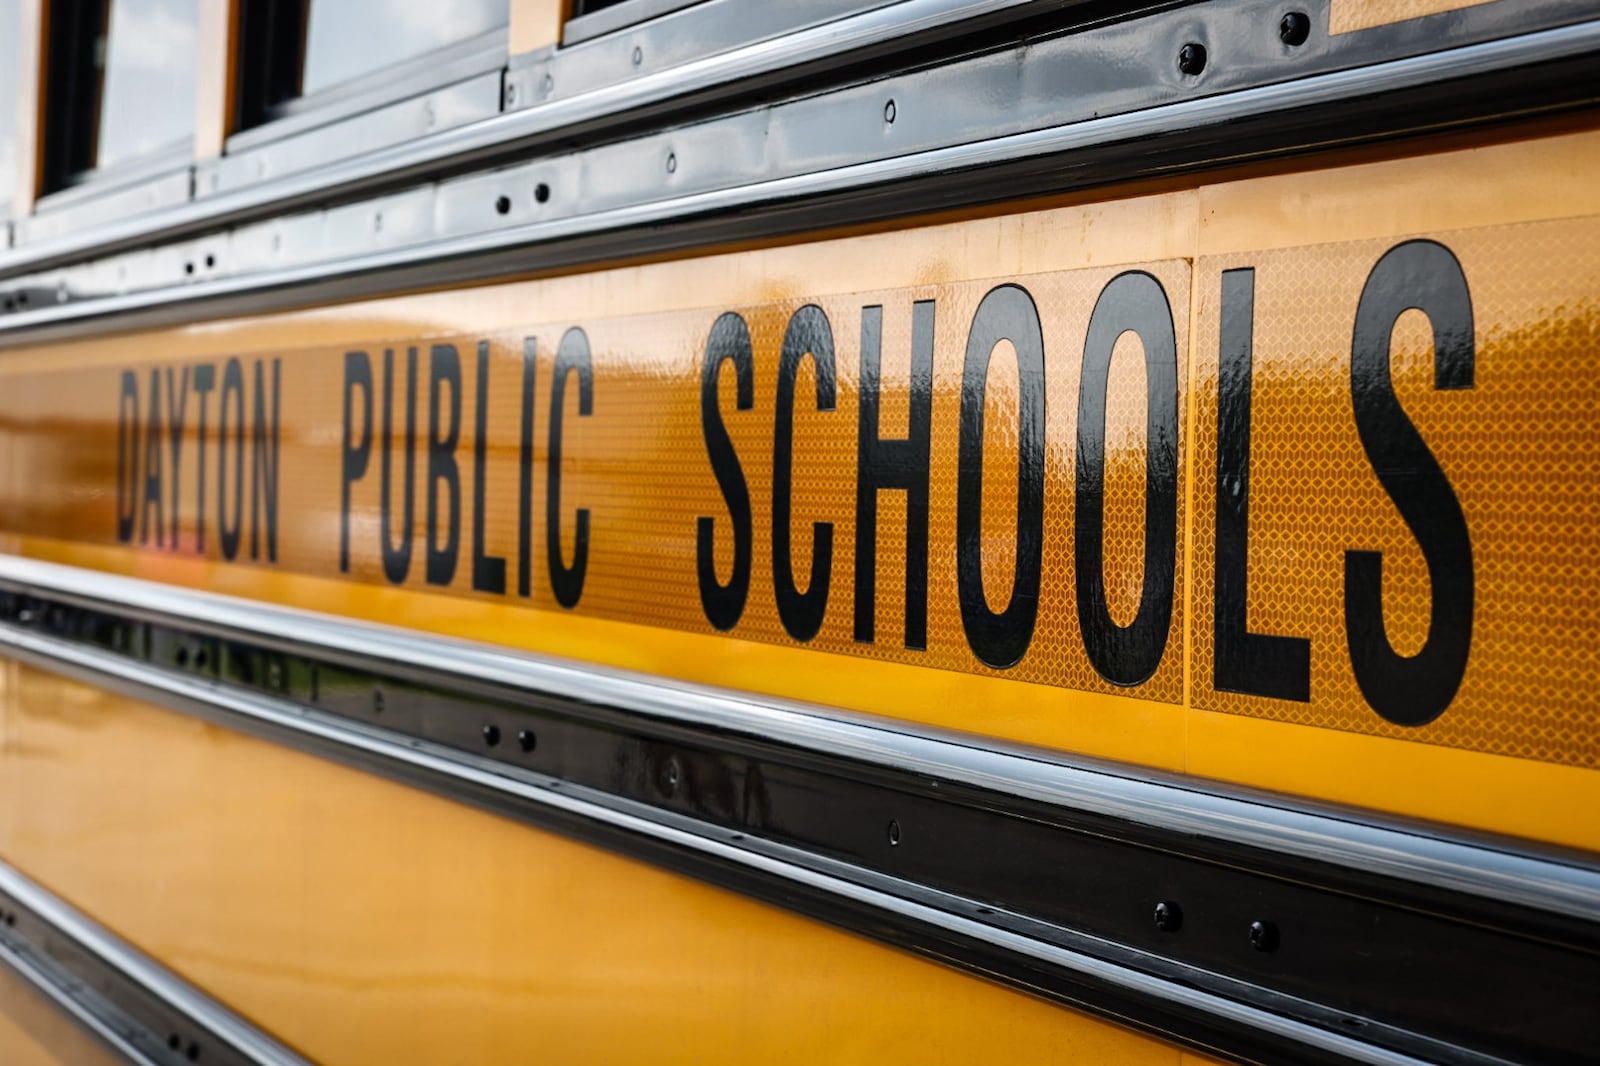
(1504, 874)
(519, 130)
(129, 963)
(419, 756)
(1147, 126)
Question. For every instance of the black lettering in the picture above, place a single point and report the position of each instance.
(1128, 655)
(397, 556)
(205, 379)
(128, 430)
(357, 450)
(1256, 664)
(232, 386)
(444, 368)
(264, 465)
(808, 333)
(1001, 639)
(152, 466)
(729, 342)
(894, 463)
(177, 408)
(566, 582)
(488, 571)
(1411, 690)
(530, 371)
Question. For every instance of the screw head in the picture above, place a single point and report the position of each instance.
(1192, 58)
(1294, 28)
(1168, 916)
(1263, 936)
(491, 735)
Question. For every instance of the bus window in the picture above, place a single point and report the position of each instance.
(10, 56)
(122, 85)
(390, 31)
(293, 53)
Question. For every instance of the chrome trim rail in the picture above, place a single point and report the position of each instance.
(728, 73)
(1529, 914)
(456, 236)
(138, 1008)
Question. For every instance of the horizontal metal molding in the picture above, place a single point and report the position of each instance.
(138, 1008)
(712, 782)
(763, 62)
(629, 197)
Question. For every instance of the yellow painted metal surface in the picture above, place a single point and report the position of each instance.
(34, 1032)
(310, 407)
(365, 922)
(1345, 16)
(536, 24)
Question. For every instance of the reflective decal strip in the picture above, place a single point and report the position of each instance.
(1233, 922)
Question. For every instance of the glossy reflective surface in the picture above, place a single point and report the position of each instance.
(361, 921)
(147, 97)
(1513, 752)
(348, 38)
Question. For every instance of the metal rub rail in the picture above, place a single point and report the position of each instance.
(1240, 923)
(1018, 99)
(137, 1008)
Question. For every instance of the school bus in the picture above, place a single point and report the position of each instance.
(919, 531)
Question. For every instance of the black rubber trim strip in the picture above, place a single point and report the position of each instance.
(1258, 953)
(138, 1009)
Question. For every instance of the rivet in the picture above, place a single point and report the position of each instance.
(192, 1052)
(888, 112)
(894, 833)
(1294, 28)
(638, 55)
(174, 1042)
(1168, 916)
(24, 615)
(511, 95)
(502, 205)
(200, 659)
(672, 163)
(541, 192)
(274, 675)
(377, 222)
(181, 656)
(1192, 58)
(491, 735)
(377, 701)
(527, 740)
(674, 774)
(1263, 936)
(549, 84)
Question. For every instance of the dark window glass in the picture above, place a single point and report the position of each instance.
(10, 57)
(120, 82)
(348, 38)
